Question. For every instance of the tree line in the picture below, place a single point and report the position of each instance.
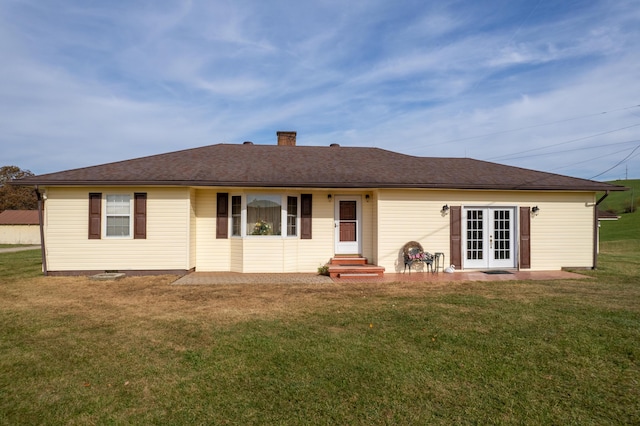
(16, 197)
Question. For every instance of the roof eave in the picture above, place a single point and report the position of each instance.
(368, 185)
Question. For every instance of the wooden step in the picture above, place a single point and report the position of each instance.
(348, 260)
(356, 271)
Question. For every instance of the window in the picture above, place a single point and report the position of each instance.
(292, 216)
(118, 216)
(236, 215)
(264, 215)
(122, 213)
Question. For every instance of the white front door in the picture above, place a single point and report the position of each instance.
(489, 237)
(347, 225)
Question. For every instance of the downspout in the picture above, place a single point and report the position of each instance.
(596, 223)
(41, 221)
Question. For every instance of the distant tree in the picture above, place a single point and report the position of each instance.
(16, 197)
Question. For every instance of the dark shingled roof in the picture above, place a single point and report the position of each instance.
(249, 165)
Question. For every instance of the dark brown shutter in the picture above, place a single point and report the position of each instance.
(525, 238)
(305, 216)
(95, 215)
(140, 215)
(222, 215)
(455, 231)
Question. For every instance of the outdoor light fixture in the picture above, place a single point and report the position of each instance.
(535, 210)
(329, 197)
(445, 209)
(367, 197)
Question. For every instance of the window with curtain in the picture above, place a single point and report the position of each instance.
(264, 215)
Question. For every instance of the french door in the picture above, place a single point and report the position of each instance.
(489, 237)
(347, 225)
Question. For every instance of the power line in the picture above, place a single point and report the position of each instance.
(584, 148)
(508, 156)
(541, 125)
(619, 162)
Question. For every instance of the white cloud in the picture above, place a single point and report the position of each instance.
(84, 83)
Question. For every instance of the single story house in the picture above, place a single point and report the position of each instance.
(288, 208)
(604, 215)
(19, 227)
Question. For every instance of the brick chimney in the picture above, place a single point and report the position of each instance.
(287, 138)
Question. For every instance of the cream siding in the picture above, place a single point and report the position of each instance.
(69, 249)
(193, 230)
(318, 251)
(561, 234)
(404, 216)
(19, 234)
(212, 254)
(181, 230)
(262, 254)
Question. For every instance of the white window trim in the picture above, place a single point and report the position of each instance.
(243, 215)
(105, 215)
(283, 216)
(286, 216)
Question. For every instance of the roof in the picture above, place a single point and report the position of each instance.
(605, 215)
(249, 165)
(19, 217)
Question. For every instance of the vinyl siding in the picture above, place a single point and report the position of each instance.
(561, 234)
(181, 230)
(69, 249)
(19, 234)
(211, 254)
(262, 254)
(193, 229)
(405, 216)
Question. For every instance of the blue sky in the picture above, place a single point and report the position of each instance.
(548, 85)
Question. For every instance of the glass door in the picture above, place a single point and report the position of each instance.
(347, 225)
(489, 238)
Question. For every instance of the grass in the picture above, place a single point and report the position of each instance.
(628, 226)
(140, 351)
(624, 201)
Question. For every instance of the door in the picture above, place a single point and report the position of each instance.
(489, 238)
(347, 225)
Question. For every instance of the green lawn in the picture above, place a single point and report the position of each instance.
(140, 351)
(622, 201)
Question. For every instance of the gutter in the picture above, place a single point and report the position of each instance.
(41, 221)
(596, 224)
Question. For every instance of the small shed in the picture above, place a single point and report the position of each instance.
(19, 227)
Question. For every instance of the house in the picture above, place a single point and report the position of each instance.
(604, 215)
(288, 208)
(19, 227)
